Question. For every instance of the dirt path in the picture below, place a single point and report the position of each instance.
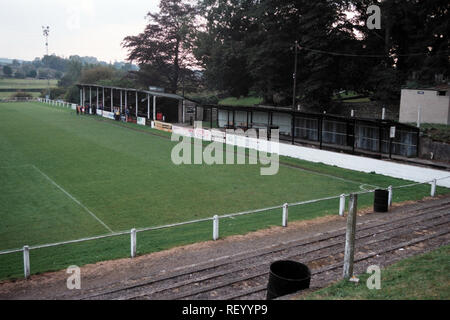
(236, 267)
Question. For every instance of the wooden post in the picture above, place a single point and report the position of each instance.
(320, 128)
(293, 128)
(215, 227)
(234, 119)
(390, 147)
(390, 196)
(433, 188)
(148, 106)
(154, 108)
(342, 205)
(350, 237)
(121, 101)
(26, 261)
(211, 117)
(126, 102)
(285, 215)
(133, 243)
(419, 116)
(112, 100)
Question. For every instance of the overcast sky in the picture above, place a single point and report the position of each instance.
(83, 27)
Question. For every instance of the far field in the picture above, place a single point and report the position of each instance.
(65, 177)
(8, 86)
(7, 83)
(5, 95)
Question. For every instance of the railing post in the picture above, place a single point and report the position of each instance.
(133, 243)
(390, 196)
(342, 205)
(350, 237)
(215, 227)
(284, 222)
(26, 261)
(433, 188)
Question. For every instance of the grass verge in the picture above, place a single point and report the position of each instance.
(423, 277)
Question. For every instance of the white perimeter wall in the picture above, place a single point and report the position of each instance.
(434, 108)
(346, 161)
(341, 160)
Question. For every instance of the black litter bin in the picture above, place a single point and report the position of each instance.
(287, 277)
(381, 201)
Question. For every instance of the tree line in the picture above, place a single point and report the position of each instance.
(242, 47)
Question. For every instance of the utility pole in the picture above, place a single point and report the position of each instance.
(294, 98)
(46, 31)
(294, 95)
(349, 253)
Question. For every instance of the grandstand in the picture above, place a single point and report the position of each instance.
(369, 137)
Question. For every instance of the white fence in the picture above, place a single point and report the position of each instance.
(59, 103)
(215, 222)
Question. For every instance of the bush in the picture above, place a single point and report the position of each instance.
(72, 94)
(7, 71)
(22, 95)
(55, 93)
(19, 75)
(32, 74)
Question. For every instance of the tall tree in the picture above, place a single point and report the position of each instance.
(222, 46)
(249, 44)
(7, 71)
(412, 45)
(164, 48)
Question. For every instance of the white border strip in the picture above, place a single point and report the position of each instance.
(341, 160)
(73, 198)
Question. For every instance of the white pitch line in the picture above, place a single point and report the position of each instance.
(288, 165)
(328, 175)
(73, 198)
(16, 167)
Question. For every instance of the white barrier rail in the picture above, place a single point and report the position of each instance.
(59, 103)
(215, 219)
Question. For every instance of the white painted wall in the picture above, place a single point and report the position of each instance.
(341, 160)
(434, 108)
(362, 164)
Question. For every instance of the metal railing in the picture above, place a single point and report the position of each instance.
(215, 219)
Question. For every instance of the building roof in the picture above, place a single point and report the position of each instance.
(439, 87)
(152, 93)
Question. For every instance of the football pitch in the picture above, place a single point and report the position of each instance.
(65, 177)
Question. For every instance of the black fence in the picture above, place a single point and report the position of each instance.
(354, 135)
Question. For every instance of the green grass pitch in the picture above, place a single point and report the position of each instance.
(64, 177)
